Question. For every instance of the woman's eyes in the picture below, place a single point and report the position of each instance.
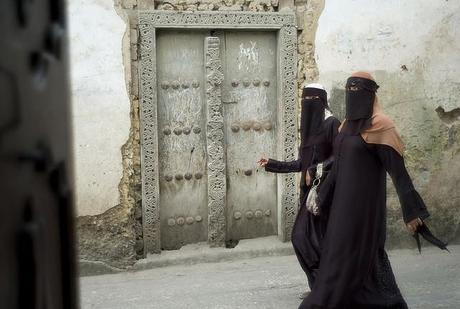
(311, 97)
(352, 88)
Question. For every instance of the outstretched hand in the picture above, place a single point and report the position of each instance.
(262, 161)
(413, 225)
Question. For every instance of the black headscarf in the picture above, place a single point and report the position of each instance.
(359, 104)
(314, 104)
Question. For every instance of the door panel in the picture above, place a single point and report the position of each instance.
(182, 143)
(250, 107)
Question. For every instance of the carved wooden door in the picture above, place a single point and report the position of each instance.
(181, 138)
(249, 94)
(249, 106)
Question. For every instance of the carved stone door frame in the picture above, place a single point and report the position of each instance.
(284, 25)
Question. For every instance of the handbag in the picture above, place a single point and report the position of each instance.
(313, 202)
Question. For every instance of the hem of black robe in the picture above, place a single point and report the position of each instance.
(398, 305)
(311, 256)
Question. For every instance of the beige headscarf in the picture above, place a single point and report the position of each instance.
(382, 130)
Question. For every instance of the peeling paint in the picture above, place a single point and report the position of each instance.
(115, 236)
(449, 117)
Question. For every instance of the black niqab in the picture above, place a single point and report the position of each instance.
(314, 104)
(359, 104)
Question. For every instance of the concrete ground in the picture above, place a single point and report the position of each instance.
(430, 280)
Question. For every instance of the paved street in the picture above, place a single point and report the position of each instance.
(430, 280)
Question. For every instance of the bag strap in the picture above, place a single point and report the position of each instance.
(319, 174)
(319, 170)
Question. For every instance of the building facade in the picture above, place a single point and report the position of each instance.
(173, 102)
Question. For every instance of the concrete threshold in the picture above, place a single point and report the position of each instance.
(202, 253)
(196, 253)
(95, 268)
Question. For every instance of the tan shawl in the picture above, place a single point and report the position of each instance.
(382, 131)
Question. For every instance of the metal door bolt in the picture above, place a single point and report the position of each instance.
(180, 221)
(188, 176)
(237, 215)
(248, 172)
(175, 84)
(246, 126)
(168, 178)
(268, 126)
(249, 214)
(165, 85)
(167, 131)
(189, 220)
(196, 130)
(186, 130)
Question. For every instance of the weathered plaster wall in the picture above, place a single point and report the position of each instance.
(105, 147)
(100, 102)
(413, 49)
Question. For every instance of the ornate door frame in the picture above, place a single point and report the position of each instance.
(284, 25)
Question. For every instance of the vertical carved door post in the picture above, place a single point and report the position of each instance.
(215, 143)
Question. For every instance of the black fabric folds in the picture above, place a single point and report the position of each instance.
(308, 230)
(354, 270)
(356, 127)
(428, 236)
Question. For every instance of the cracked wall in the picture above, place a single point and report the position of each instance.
(106, 130)
(418, 73)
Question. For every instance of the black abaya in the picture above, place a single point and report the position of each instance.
(355, 271)
(308, 230)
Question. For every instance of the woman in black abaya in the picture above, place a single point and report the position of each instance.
(318, 129)
(355, 271)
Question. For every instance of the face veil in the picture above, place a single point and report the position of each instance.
(359, 101)
(314, 104)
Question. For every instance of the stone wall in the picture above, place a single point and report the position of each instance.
(415, 59)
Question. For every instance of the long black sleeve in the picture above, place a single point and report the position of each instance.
(276, 166)
(411, 203)
(331, 131)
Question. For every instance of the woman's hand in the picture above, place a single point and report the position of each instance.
(413, 225)
(263, 161)
(307, 178)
